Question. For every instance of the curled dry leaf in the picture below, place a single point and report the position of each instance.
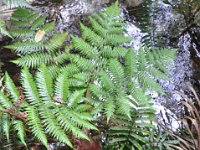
(39, 35)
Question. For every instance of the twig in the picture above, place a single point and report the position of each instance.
(13, 112)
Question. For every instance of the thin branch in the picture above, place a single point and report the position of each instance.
(13, 112)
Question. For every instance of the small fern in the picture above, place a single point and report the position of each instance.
(162, 140)
(39, 48)
(39, 39)
(3, 30)
(146, 15)
(40, 111)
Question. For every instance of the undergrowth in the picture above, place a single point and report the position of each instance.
(94, 83)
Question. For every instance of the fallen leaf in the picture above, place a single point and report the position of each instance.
(39, 35)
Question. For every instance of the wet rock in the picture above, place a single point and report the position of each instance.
(133, 3)
(74, 11)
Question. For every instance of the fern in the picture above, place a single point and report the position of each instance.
(43, 115)
(39, 39)
(95, 74)
(126, 84)
(91, 45)
(162, 140)
(117, 79)
(19, 127)
(146, 15)
(3, 30)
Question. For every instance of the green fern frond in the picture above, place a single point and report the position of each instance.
(97, 91)
(117, 30)
(23, 33)
(6, 125)
(75, 97)
(97, 27)
(128, 131)
(116, 71)
(91, 36)
(75, 117)
(20, 24)
(148, 82)
(38, 22)
(44, 84)
(121, 51)
(23, 14)
(164, 54)
(109, 106)
(156, 73)
(116, 52)
(133, 77)
(100, 21)
(108, 52)
(130, 64)
(142, 62)
(35, 125)
(60, 58)
(55, 42)
(89, 47)
(61, 89)
(138, 95)
(11, 87)
(48, 27)
(29, 85)
(84, 47)
(106, 81)
(5, 101)
(71, 69)
(39, 44)
(69, 126)
(82, 76)
(43, 115)
(3, 30)
(82, 108)
(25, 47)
(78, 80)
(34, 60)
(113, 39)
(54, 70)
(53, 127)
(82, 63)
(113, 10)
(123, 106)
(20, 128)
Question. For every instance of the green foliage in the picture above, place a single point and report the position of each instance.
(3, 30)
(40, 46)
(160, 140)
(94, 75)
(117, 82)
(122, 92)
(96, 41)
(40, 111)
(146, 15)
(7, 6)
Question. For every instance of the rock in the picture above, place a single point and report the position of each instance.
(133, 3)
